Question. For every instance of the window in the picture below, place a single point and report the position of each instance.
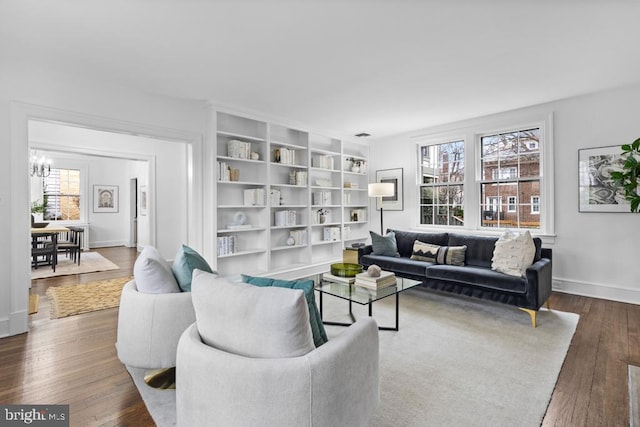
(510, 170)
(62, 195)
(535, 204)
(442, 183)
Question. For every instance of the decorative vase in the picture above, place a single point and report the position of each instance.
(355, 168)
(322, 218)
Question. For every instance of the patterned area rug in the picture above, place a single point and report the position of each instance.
(69, 300)
(89, 262)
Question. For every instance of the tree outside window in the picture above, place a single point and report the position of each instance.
(442, 183)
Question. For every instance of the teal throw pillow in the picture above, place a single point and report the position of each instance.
(384, 245)
(185, 262)
(317, 328)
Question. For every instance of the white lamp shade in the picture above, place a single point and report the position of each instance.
(381, 189)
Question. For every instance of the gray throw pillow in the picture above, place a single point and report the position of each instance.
(384, 245)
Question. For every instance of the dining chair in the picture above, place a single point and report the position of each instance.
(71, 244)
(44, 245)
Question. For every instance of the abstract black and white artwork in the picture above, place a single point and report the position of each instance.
(598, 192)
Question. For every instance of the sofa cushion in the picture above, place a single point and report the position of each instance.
(424, 251)
(384, 245)
(405, 239)
(478, 276)
(514, 253)
(184, 263)
(315, 321)
(401, 266)
(153, 274)
(479, 248)
(252, 321)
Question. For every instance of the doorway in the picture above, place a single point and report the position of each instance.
(191, 221)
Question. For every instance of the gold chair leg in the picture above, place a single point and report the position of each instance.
(548, 303)
(164, 379)
(532, 313)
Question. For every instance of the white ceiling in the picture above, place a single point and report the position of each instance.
(342, 66)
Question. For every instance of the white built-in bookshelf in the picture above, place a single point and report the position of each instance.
(285, 198)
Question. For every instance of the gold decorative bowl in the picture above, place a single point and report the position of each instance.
(346, 269)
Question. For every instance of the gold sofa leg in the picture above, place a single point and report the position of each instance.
(531, 313)
(161, 378)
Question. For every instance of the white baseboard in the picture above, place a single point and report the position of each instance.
(16, 323)
(107, 244)
(597, 290)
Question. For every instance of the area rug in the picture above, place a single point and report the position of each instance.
(455, 361)
(34, 302)
(90, 262)
(69, 300)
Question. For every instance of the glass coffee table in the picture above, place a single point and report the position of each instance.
(363, 296)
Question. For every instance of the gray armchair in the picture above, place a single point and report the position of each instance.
(233, 367)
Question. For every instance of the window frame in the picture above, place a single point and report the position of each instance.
(435, 184)
(59, 162)
(470, 132)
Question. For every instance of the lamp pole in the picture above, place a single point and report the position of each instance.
(380, 190)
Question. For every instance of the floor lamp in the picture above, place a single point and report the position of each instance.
(380, 190)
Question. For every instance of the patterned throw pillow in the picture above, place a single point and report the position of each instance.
(424, 251)
(513, 253)
(451, 255)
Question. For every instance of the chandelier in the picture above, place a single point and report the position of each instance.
(40, 167)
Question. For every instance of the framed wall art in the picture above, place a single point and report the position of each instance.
(393, 176)
(598, 192)
(143, 200)
(105, 198)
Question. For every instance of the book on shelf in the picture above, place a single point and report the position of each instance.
(338, 279)
(238, 149)
(386, 278)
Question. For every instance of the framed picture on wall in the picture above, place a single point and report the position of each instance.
(143, 200)
(598, 192)
(392, 176)
(105, 198)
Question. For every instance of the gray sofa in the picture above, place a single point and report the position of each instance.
(475, 278)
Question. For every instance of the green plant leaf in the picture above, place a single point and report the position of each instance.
(636, 144)
(626, 147)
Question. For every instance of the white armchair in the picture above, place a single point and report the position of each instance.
(150, 325)
(219, 382)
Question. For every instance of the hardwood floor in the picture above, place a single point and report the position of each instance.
(73, 361)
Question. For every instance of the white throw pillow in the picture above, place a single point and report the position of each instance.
(514, 253)
(153, 274)
(252, 321)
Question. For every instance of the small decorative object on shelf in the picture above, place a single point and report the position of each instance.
(374, 270)
(322, 215)
(357, 165)
(291, 241)
(234, 174)
(255, 155)
(239, 222)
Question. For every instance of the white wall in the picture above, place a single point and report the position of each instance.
(593, 253)
(26, 85)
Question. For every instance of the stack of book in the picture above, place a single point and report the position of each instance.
(386, 278)
(328, 277)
